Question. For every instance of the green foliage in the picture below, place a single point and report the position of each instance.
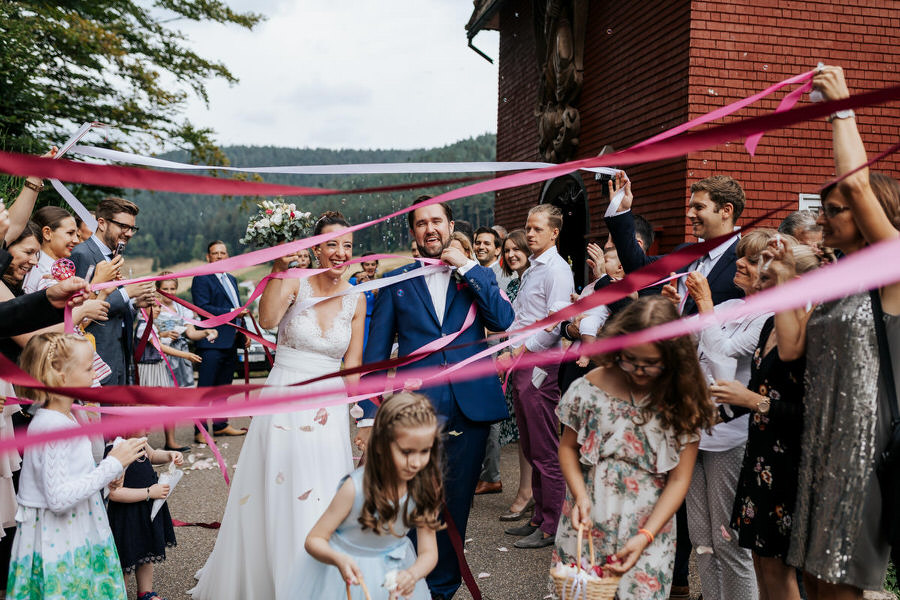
(64, 63)
(890, 582)
(177, 227)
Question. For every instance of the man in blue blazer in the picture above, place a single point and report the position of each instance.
(715, 206)
(421, 310)
(218, 294)
(113, 337)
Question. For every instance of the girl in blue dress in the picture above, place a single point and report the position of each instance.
(363, 532)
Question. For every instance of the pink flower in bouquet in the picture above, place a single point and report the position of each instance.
(292, 214)
(268, 211)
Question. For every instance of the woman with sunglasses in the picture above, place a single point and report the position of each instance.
(839, 535)
(630, 436)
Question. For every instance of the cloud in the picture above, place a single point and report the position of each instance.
(321, 96)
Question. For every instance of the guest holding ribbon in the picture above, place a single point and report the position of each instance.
(64, 546)
(115, 227)
(369, 273)
(726, 352)
(839, 537)
(766, 490)
(59, 235)
(631, 428)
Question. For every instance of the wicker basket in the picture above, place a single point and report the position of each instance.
(572, 588)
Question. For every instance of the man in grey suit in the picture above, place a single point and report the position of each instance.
(115, 226)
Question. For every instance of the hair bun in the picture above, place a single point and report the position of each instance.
(331, 214)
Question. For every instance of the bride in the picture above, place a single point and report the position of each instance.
(291, 463)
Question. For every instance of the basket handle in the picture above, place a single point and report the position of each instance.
(364, 589)
(590, 546)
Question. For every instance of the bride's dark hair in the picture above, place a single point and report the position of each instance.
(380, 496)
(330, 217)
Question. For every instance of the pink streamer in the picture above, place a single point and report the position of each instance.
(787, 103)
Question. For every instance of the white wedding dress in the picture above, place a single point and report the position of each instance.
(289, 467)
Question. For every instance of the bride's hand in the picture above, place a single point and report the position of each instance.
(362, 438)
(283, 263)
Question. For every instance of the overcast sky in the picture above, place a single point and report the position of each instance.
(349, 74)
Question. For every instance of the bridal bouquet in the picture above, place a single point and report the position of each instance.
(276, 222)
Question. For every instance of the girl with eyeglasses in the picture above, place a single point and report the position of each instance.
(630, 437)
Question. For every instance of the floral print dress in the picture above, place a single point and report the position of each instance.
(767, 487)
(624, 461)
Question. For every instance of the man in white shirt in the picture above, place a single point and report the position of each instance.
(547, 285)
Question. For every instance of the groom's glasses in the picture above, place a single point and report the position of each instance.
(125, 227)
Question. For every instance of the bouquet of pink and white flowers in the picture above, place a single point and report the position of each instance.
(276, 222)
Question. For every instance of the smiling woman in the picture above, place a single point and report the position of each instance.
(59, 235)
(24, 251)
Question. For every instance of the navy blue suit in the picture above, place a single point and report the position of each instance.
(466, 408)
(220, 356)
(632, 257)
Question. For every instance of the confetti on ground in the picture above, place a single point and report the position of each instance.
(199, 446)
(469, 540)
(223, 445)
(304, 495)
(203, 464)
(503, 549)
(192, 458)
(483, 575)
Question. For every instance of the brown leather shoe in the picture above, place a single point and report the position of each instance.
(489, 487)
(229, 430)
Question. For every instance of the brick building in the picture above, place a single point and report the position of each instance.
(654, 64)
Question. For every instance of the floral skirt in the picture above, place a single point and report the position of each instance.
(60, 556)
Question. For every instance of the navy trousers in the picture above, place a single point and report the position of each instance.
(463, 441)
(217, 368)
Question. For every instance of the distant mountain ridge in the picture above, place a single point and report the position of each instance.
(177, 227)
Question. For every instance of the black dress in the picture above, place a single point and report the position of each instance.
(767, 486)
(138, 540)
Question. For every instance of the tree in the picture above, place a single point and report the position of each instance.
(63, 63)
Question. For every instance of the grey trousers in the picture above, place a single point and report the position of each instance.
(490, 468)
(726, 569)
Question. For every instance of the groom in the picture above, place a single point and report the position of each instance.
(421, 310)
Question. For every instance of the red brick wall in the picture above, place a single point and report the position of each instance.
(651, 65)
(741, 47)
(629, 94)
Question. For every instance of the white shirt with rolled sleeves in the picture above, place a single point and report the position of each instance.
(546, 285)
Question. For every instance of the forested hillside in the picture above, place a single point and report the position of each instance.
(177, 227)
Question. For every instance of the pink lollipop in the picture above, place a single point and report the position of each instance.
(62, 269)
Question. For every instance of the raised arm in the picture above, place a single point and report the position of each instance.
(20, 210)
(275, 299)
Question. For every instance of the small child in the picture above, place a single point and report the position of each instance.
(140, 541)
(63, 546)
(629, 443)
(152, 368)
(363, 531)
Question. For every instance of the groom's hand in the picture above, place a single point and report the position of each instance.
(454, 257)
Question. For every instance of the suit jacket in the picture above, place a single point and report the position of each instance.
(113, 336)
(28, 312)
(405, 309)
(632, 257)
(208, 293)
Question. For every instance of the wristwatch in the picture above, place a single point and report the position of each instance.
(841, 114)
(763, 406)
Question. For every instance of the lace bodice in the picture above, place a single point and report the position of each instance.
(300, 329)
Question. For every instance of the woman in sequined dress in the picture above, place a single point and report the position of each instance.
(838, 537)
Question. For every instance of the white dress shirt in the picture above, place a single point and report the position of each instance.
(703, 265)
(438, 283)
(546, 285)
(229, 290)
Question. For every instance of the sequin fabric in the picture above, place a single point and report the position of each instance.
(838, 450)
